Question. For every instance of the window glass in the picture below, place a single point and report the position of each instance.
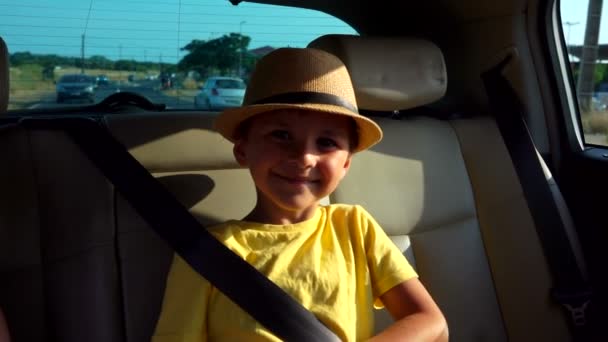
(230, 84)
(586, 36)
(164, 50)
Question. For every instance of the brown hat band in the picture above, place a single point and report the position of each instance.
(308, 97)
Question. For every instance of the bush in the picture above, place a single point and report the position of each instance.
(189, 83)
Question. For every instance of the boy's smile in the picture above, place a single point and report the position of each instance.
(295, 158)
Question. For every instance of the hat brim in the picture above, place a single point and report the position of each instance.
(229, 120)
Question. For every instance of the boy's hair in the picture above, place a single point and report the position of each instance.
(242, 130)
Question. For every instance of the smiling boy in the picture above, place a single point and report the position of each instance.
(297, 133)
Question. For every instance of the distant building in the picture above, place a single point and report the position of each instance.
(261, 51)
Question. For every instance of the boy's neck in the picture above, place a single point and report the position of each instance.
(280, 216)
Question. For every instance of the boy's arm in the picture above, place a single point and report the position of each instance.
(4, 335)
(417, 317)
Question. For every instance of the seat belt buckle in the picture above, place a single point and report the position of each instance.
(576, 303)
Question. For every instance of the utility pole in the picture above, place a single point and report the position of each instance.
(120, 59)
(589, 55)
(241, 48)
(82, 55)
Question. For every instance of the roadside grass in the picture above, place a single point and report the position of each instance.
(27, 86)
(595, 123)
(180, 92)
(190, 84)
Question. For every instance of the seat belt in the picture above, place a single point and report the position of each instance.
(238, 280)
(570, 288)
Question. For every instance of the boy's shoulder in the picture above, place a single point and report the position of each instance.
(348, 209)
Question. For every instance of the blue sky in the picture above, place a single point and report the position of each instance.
(574, 12)
(148, 29)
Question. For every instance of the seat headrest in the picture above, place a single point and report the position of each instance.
(389, 73)
(4, 76)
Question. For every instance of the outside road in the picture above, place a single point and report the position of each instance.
(147, 88)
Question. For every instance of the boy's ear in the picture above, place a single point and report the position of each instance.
(346, 165)
(239, 152)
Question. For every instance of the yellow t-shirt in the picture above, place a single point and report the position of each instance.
(336, 264)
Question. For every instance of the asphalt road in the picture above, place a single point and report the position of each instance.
(149, 89)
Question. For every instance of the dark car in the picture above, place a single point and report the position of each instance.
(76, 86)
(103, 80)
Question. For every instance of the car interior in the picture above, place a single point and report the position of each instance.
(77, 262)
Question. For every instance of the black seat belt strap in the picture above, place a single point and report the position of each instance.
(233, 276)
(570, 287)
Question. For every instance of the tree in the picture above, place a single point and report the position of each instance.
(99, 62)
(589, 55)
(220, 53)
(124, 64)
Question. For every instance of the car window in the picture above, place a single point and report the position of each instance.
(585, 28)
(230, 84)
(163, 50)
(76, 79)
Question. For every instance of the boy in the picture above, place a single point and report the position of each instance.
(297, 132)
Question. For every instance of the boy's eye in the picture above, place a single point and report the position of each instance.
(327, 143)
(280, 134)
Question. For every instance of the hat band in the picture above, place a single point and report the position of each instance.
(308, 97)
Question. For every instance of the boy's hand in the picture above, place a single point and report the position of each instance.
(417, 317)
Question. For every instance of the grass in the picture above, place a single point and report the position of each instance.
(27, 86)
(180, 92)
(595, 123)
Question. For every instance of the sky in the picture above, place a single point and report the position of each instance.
(155, 30)
(574, 19)
(152, 30)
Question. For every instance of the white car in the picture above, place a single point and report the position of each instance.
(219, 93)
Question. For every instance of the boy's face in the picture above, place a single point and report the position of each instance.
(295, 158)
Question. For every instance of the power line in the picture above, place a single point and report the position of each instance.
(156, 21)
(63, 9)
(129, 29)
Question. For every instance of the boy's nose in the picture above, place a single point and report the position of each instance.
(302, 154)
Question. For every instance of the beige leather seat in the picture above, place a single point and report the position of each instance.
(448, 195)
(77, 263)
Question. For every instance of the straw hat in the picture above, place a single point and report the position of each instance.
(295, 78)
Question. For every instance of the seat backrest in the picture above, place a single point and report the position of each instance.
(58, 264)
(197, 165)
(77, 262)
(448, 195)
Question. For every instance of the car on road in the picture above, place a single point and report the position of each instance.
(76, 86)
(102, 80)
(219, 93)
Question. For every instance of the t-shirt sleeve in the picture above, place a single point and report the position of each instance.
(388, 266)
(184, 309)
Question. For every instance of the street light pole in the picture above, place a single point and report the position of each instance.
(569, 24)
(241, 48)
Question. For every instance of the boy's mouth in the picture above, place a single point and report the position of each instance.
(297, 179)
